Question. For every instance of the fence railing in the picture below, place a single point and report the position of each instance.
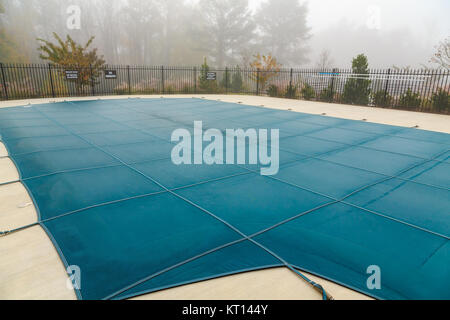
(418, 90)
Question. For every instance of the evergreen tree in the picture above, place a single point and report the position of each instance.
(225, 29)
(236, 82)
(357, 88)
(283, 30)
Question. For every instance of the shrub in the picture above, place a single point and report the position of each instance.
(441, 101)
(169, 89)
(225, 83)
(291, 91)
(59, 85)
(68, 54)
(308, 92)
(187, 89)
(121, 89)
(381, 99)
(207, 86)
(326, 95)
(266, 67)
(272, 90)
(357, 91)
(410, 100)
(22, 89)
(236, 80)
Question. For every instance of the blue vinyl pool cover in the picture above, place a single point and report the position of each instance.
(348, 195)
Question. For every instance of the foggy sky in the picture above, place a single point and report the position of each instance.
(405, 34)
(409, 30)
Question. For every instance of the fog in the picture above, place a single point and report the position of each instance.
(229, 32)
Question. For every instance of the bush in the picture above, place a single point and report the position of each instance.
(187, 89)
(169, 89)
(381, 99)
(326, 95)
(208, 86)
(121, 89)
(410, 100)
(236, 81)
(291, 91)
(357, 91)
(308, 92)
(272, 90)
(59, 85)
(225, 83)
(441, 101)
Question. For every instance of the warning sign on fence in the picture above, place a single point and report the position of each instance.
(110, 74)
(71, 74)
(211, 76)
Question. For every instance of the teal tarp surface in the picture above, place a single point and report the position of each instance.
(348, 195)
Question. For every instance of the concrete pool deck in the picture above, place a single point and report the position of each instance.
(30, 267)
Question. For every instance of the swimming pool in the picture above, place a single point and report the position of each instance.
(348, 195)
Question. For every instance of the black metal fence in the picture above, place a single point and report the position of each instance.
(419, 90)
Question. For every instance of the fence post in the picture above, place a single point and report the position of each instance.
(257, 82)
(162, 79)
(226, 79)
(92, 80)
(290, 84)
(129, 81)
(332, 84)
(195, 79)
(4, 81)
(387, 85)
(290, 78)
(51, 79)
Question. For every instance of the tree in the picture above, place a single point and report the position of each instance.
(265, 67)
(69, 54)
(204, 83)
(224, 30)
(324, 60)
(236, 82)
(282, 24)
(442, 56)
(357, 88)
(9, 50)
